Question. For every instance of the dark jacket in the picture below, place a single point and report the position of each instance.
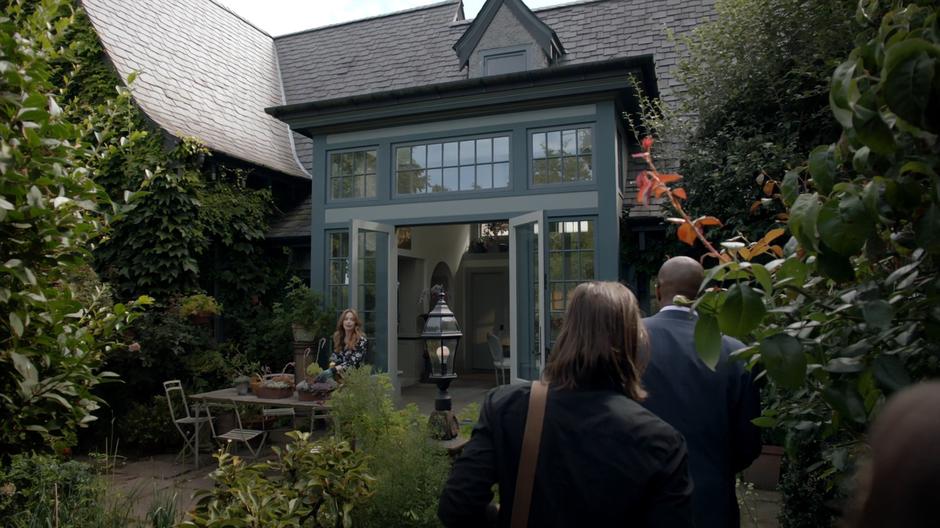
(603, 461)
(712, 409)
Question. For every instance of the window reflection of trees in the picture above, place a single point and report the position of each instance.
(466, 165)
(352, 174)
(562, 156)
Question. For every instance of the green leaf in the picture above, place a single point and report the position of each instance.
(833, 265)
(908, 82)
(878, 314)
(790, 187)
(802, 223)
(843, 92)
(764, 421)
(822, 168)
(870, 126)
(741, 312)
(846, 401)
(16, 324)
(890, 373)
(708, 340)
(783, 357)
(927, 233)
(763, 277)
(844, 225)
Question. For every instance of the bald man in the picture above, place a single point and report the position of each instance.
(712, 409)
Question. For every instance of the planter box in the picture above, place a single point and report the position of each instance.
(764, 473)
(274, 394)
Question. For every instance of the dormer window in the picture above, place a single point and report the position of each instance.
(498, 63)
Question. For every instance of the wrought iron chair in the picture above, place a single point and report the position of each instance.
(500, 364)
(188, 415)
(240, 433)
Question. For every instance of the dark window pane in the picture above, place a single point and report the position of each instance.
(558, 297)
(587, 234)
(568, 142)
(336, 187)
(587, 265)
(484, 150)
(467, 155)
(540, 171)
(585, 141)
(360, 190)
(403, 158)
(418, 156)
(451, 178)
(538, 145)
(500, 175)
(500, 149)
(434, 155)
(335, 166)
(585, 173)
(370, 161)
(360, 162)
(553, 171)
(450, 154)
(370, 185)
(405, 182)
(554, 143)
(435, 180)
(466, 178)
(570, 167)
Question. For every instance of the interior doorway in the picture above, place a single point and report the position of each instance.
(471, 262)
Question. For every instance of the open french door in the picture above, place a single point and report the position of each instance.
(373, 288)
(526, 295)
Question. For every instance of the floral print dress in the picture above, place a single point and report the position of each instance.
(350, 357)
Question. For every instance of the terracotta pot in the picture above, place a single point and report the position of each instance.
(764, 473)
(313, 396)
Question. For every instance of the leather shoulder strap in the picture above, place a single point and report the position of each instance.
(530, 454)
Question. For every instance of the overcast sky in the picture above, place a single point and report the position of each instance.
(278, 17)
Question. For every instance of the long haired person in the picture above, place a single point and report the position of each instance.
(603, 460)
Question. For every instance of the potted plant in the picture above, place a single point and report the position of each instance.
(276, 386)
(199, 308)
(304, 311)
(313, 391)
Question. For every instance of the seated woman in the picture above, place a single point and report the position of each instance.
(603, 460)
(349, 343)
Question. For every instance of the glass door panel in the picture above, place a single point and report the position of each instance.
(526, 299)
(374, 276)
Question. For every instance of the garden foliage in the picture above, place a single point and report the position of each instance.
(410, 468)
(308, 484)
(847, 311)
(54, 333)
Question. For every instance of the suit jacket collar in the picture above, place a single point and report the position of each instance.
(675, 315)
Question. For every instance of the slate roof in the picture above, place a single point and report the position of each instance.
(294, 223)
(415, 47)
(204, 72)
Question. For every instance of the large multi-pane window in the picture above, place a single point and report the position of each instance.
(338, 265)
(562, 156)
(465, 165)
(570, 262)
(352, 174)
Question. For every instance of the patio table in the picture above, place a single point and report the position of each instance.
(230, 395)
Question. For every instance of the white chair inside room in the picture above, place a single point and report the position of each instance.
(501, 364)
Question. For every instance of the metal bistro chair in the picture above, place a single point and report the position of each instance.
(240, 433)
(188, 416)
(500, 363)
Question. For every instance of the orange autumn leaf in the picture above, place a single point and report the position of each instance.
(754, 207)
(783, 217)
(643, 184)
(777, 251)
(744, 253)
(680, 193)
(659, 190)
(687, 234)
(670, 177)
(772, 235)
(769, 187)
(707, 221)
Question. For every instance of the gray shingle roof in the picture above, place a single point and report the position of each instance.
(415, 48)
(294, 223)
(204, 72)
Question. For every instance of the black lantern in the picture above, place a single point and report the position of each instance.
(441, 336)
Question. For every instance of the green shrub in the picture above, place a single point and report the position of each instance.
(410, 468)
(39, 491)
(199, 304)
(147, 427)
(308, 484)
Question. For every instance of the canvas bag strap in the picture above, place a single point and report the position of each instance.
(530, 454)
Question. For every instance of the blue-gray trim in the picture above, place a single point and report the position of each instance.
(543, 35)
(554, 214)
(318, 199)
(608, 218)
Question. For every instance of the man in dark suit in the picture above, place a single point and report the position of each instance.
(712, 409)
